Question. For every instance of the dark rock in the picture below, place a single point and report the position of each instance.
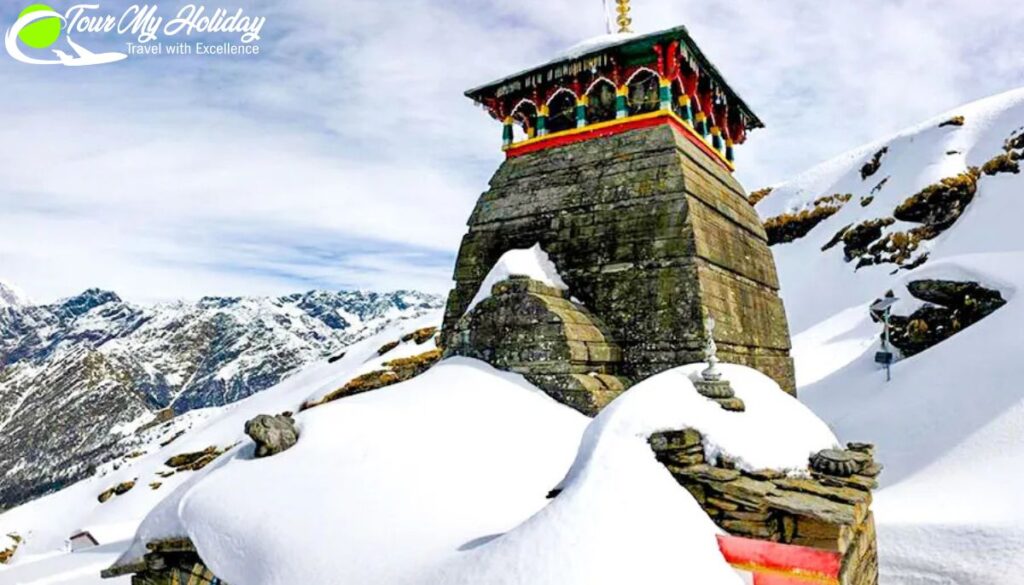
(953, 306)
(871, 167)
(954, 121)
(836, 462)
(272, 434)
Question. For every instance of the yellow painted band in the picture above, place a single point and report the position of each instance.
(701, 116)
(622, 90)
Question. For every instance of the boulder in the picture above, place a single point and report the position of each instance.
(272, 434)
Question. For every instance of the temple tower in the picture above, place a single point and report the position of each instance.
(619, 157)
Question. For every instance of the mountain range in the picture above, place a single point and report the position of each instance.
(80, 376)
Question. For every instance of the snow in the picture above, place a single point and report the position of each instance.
(438, 480)
(949, 428)
(594, 44)
(532, 262)
(12, 296)
(464, 502)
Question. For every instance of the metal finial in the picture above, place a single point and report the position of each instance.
(623, 18)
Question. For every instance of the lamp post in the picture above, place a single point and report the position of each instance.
(885, 357)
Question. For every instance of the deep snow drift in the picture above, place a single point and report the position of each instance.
(438, 480)
(950, 427)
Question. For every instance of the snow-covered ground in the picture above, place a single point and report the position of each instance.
(438, 480)
(950, 426)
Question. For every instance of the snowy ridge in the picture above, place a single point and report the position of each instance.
(80, 376)
(949, 426)
(12, 297)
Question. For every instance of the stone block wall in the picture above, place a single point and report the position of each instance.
(560, 346)
(822, 510)
(649, 234)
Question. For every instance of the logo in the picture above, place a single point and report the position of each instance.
(39, 27)
(40, 31)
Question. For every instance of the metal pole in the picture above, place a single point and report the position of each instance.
(885, 344)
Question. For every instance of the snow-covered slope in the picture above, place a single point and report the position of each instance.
(12, 297)
(438, 480)
(79, 377)
(950, 426)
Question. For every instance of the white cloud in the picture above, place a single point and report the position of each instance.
(345, 155)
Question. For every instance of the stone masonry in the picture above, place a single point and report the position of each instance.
(649, 234)
(826, 510)
(561, 347)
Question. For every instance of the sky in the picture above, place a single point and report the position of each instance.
(344, 155)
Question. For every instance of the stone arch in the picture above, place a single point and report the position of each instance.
(642, 92)
(561, 111)
(525, 117)
(601, 97)
(527, 327)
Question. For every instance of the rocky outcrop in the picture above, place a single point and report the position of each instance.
(828, 508)
(951, 306)
(528, 327)
(272, 434)
(395, 371)
(648, 234)
(790, 227)
(871, 167)
(168, 561)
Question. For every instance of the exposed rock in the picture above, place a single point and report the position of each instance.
(756, 196)
(941, 204)
(7, 553)
(954, 121)
(871, 167)
(952, 306)
(117, 490)
(856, 239)
(877, 188)
(272, 434)
(789, 227)
(865, 201)
(155, 485)
(194, 461)
(388, 347)
(1002, 163)
(397, 370)
(336, 357)
(420, 336)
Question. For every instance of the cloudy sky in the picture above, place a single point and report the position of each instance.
(345, 155)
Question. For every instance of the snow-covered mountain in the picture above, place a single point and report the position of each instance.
(933, 210)
(12, 296)
(79, 377)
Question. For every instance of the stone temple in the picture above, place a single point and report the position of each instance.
(618, 163)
